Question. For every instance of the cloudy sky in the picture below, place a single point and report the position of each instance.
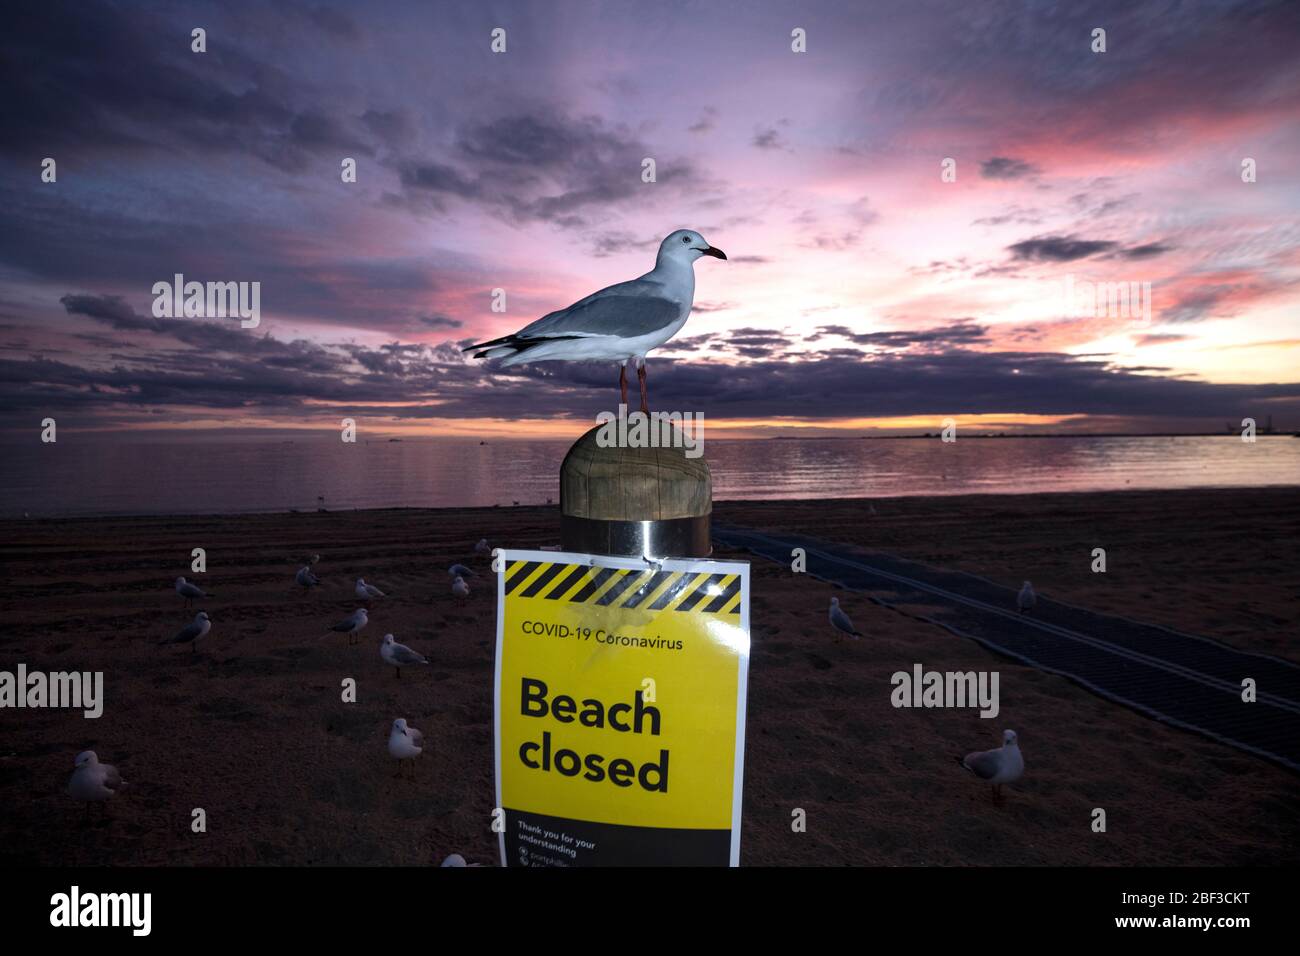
(862, 292)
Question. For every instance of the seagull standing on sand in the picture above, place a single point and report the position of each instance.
(405, 743)
(840, 621)
(351, 626)
(306, 580)
(399, 655)
(1026, 598)
(460, 588)
(460, 571)
(92, 781)
(191, 633)
(1000, 766)
(620, 323)
(368, 592)
(189, 591)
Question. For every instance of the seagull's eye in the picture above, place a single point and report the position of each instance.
(686, 238)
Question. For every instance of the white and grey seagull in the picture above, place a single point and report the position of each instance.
(189, 591)
(1026, 598)
(94, 782)
(399, 655)
(352, 625)
(996, 767)
(191, 633)
(841, 621)
(620, 323)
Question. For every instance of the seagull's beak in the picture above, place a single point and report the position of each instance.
(716, 253)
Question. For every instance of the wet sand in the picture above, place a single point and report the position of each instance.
(252, 727)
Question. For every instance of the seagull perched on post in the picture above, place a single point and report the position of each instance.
(620, 323)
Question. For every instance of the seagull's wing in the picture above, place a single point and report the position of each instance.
(627, 310)
(417, 738)
(345, 625)
(984, 764)
(189, 590)
(112, 779)
(188, 633)
(841, 621)
(404, 655)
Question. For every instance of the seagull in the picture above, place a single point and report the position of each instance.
(366, 591)
(351, 626)
(92, 781)
(840, 621)
(399, 655)
(1000, 766)
(482, 546)
(460, 571)
(1026, 598)
(305, 578)
(189, 591)
(454, 859)
(460, 588)
(191, 633)
(620, 323)
(405, 743)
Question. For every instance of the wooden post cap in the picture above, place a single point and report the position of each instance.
(604, 491)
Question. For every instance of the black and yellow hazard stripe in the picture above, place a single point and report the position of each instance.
(616, 587)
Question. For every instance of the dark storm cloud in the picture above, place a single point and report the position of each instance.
(1148, 251)
(1070, 248)
(219, 368)
(955, 334)
(542, 167)
(769, 138)
(85, 78)
(1004, 167)
(1058, 249)
(708, 119)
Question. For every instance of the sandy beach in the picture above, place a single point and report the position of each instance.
(251, 728)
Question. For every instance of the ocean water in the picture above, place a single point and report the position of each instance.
(73, 477)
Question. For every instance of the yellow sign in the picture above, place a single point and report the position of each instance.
(620, 709)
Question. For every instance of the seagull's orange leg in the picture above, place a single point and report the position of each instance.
(640, 374)
(622, 382)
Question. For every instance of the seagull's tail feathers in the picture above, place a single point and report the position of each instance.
(512, 348)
